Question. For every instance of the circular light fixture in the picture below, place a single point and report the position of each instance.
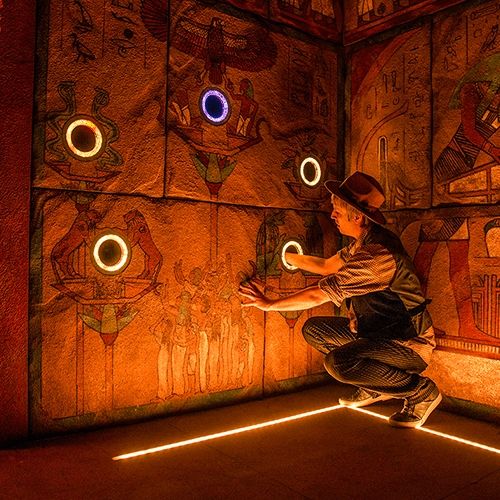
(310, 171)
(286, 246)
(215, 106)
(83, 138)
(110, 253)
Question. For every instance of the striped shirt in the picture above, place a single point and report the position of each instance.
(369, 268)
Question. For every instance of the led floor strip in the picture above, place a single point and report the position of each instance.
(238, 430)
(436, 433)
(268, 423)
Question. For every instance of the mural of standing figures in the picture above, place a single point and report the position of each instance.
(212, 346)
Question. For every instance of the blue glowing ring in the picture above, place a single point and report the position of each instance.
(217, 95)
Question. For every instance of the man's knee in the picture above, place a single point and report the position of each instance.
(339, 366)
(308, 330)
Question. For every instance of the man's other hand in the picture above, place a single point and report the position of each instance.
(254, 296)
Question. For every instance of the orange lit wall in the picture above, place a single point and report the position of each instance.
(120, 149)
(123, 148)
(423, 106)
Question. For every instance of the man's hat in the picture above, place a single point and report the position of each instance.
(362, 192)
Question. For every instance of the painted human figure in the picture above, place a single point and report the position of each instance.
(79, 233)
(139, 234)
(184, 351)
(163, 331)
(248, 107)
(478, 96)
(192, 327)
(180, 106)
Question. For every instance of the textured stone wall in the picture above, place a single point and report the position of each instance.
(149, 211)
(17, 40)
(146, 215)
(424, 115)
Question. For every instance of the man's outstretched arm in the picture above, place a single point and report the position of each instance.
(303, 299)
(313, 264)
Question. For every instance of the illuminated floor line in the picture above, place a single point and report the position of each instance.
(436, 433)
(231, 432)
(269, 423)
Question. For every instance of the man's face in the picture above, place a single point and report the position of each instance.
(341, 219)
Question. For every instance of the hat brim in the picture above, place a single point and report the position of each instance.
(374, 215)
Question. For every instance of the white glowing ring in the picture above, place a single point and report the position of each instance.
(225, 106)
(317, 171)
(124, 256)
(286, 246)
(97, 134)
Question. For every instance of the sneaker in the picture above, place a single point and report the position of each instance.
(362, 398)
(415, 414)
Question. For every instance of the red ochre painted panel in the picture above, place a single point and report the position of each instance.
(165, 333)
(101, 96)
(390, 116)
(466, 79)
(281, 95)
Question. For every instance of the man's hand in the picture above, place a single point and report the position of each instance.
(254, 296)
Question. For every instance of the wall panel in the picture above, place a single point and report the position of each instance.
(281, 98)
(390, 116)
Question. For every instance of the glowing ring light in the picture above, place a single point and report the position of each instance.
(124, 257)
(317, 171)
(286, 246)
(215, 106)
(89, 124)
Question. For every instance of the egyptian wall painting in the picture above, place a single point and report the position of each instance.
(466, 171)
(322, 18)
(137, 324)
(318, 17)
(136, 259)
(287, 356)
(274, 106)
(102, 87)
(391, 116)
(365, 18)
(455, 249)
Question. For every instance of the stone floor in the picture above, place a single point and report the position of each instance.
(339, 454)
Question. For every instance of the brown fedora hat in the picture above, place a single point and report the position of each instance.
(361, 191)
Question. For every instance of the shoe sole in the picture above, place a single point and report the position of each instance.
(366, 402)
(415, 425)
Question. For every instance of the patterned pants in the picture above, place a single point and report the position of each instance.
(381, 366)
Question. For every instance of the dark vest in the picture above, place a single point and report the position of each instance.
(398, 312)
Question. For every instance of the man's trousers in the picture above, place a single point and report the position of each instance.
(379, 366)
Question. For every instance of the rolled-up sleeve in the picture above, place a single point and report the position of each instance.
(368, 270)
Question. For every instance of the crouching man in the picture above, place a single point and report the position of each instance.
(387, 340)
